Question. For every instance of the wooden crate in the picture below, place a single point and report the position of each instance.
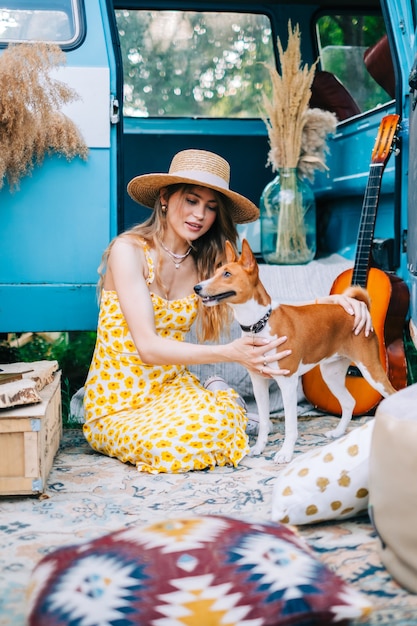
(29, 439)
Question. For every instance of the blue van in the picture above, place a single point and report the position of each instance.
(155, 77)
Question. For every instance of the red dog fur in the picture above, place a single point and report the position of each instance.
(317, 334)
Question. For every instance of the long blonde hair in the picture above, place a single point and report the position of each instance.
(207, 252)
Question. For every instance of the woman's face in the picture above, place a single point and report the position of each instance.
(192, 214)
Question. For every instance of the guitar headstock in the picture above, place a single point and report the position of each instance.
(385, 140)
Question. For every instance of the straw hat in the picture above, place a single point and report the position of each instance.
(194, 167)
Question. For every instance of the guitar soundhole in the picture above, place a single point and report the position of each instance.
(354, 371)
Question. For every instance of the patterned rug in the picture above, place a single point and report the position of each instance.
(89, 495)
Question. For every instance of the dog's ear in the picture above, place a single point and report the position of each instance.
(246, 258)
(230, 252)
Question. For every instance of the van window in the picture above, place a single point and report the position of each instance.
(194, 64)
(56, 22)
(355, 49)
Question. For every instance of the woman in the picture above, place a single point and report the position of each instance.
(142, 405)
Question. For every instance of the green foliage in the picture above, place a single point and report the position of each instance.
(73, 351)
(343, 41)
(185, 63)
(411, 357)
(350, 30)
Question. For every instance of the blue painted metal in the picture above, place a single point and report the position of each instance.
(402, 17)
(341, 190)
(55, 227)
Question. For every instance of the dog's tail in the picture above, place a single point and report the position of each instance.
(359, 293)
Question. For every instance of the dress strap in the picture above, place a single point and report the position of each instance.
(149, 261)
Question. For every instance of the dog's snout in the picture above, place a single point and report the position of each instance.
(198, 288)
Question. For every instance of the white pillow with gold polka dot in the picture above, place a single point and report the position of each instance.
(328, 483)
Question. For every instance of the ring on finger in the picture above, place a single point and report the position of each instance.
(261, 371)
(265, 364)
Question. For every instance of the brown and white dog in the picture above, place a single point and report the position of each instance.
(317, 334)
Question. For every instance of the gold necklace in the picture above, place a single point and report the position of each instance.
(177, 259)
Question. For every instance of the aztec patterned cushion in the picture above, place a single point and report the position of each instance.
(195, 571)
(327, 483)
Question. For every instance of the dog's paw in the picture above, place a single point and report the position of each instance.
(283, 456)
(256, 450)
(335, 433)
(260, 444)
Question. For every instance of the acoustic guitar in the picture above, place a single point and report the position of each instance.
(382, 289)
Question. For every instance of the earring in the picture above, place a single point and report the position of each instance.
(164, 208)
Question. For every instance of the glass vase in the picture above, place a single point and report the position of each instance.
(288, 219)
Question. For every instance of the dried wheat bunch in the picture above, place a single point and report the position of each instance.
(31, 123)
(297, 139)
(285, 112)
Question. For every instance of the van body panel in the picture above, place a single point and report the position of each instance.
(54, 233)
(55, 227)
(51, 306)
(340, 191)
(405, 14)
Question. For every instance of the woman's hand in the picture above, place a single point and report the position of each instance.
(354, 307)
(257, 354)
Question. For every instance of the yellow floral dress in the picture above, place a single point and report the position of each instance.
(157, 417)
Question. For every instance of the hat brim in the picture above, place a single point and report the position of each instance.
(145, 189)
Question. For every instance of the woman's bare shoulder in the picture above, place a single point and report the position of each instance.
(131, 246)
(127, 258)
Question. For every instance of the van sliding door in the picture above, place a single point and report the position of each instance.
(403, 19)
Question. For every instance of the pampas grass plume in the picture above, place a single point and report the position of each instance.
(31, 122)
(297, 135)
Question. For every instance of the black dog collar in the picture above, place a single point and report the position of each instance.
(258, 326)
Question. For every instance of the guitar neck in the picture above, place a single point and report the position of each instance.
(367, 226)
